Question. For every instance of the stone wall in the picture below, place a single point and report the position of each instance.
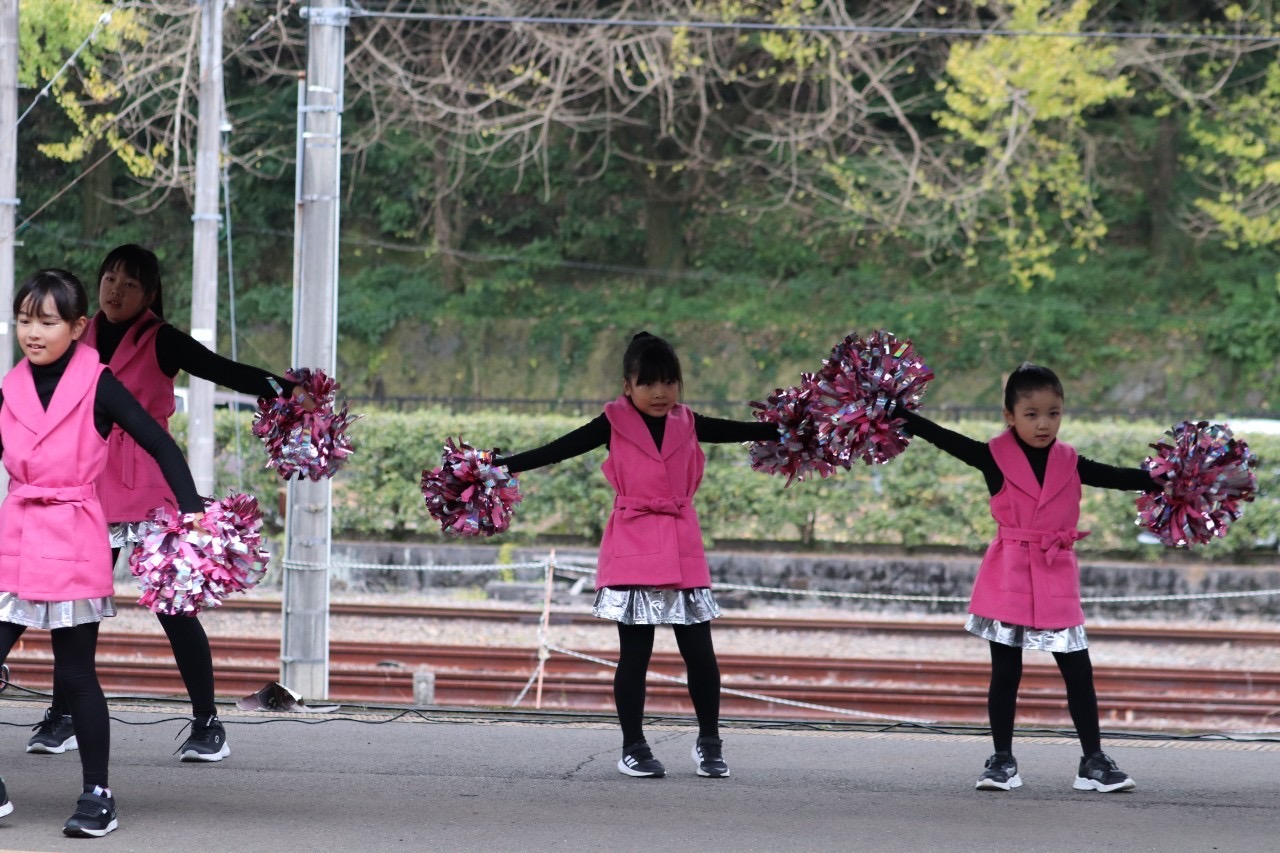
(943, 577)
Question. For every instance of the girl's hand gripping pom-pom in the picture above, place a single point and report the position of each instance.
(860, 388)
(800, 450)
(468, 494)
(1206, 474)
(304, 433)
(188, 562)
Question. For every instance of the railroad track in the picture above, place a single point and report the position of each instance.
(944, 692)
(850, 625)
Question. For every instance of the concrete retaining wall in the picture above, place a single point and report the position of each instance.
(892, 575)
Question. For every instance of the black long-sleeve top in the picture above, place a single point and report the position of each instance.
(978, 454)
(113, 404)
(598, 432)
(176, 350)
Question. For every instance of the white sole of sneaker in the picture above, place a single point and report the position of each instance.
(1083, 784)
(697, 760)
(192, 755)
(7, 808)
(39, 748)
(91, 833)
(1015, 781)
(627, 771)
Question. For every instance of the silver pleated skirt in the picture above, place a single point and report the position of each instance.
(1072, 639)
(647, 605)
(54, 614)
(126, 534)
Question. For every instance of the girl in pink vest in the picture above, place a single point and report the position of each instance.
(652, 569)
(145, 353)
(1027, 593)
(57, 408)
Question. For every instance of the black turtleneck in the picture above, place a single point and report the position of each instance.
(978, 454)
(598, 432)
(113, 404)
(177, 350)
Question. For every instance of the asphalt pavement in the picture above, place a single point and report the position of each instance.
(383, 779)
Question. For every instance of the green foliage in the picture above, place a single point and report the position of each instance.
(925, 499)
(1021, 103)
(1238, 144)
(378, 297)
(50, 31)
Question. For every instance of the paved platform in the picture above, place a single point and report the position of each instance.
(434, 779)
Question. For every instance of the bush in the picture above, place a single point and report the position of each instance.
(924, 499)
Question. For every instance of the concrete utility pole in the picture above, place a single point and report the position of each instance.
(304, 651)
(8, 174)
(204, 255)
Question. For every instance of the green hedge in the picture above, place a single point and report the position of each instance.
(924, 499)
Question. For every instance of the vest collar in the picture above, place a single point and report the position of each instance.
(626, 420)
(24, 404)
(141, 327)
(1017, 469)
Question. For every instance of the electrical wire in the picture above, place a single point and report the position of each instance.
(359, 11)
(103, 20)
(231, 288)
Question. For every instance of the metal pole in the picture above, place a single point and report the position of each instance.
(544, 627)
(204, 255)
(304, 653)
(8, 173)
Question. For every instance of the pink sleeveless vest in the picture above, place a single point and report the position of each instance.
(1029, 574)
(132, 485)
(652, 537)
(53, 536)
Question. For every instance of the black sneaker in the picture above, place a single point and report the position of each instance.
(637, 760)
(53, 735)
(95, 816)
(1098, 772)
(6, 807)
(708, 756)
(208, 741)
(1001, 773)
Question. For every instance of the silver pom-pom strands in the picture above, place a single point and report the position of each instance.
(1207, 474)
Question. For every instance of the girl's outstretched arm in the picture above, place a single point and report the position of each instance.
(582, 440)
(1111, 477)
(721, 431)
(968, 450)
(176, 350)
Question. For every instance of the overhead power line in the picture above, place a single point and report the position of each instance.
(358, 11)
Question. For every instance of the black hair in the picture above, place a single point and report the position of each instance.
(68, 294)
(142, 264)
(1027, 379)
(651, 359)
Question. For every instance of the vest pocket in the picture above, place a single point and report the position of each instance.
(62, 539)
(126, 456)
(639, 535)
(1015, 568)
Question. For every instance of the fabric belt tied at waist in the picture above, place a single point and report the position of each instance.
(658, 506)
(1049, 541)
(54, 494)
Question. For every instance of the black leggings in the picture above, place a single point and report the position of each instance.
(74, 674)
(635, 647)
(1002, 696)
(191, 651)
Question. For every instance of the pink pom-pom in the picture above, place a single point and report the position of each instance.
(800, 450)
(860, 387)
(183, 568)
(468, 494)
(1206, 475)
(312, 443)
